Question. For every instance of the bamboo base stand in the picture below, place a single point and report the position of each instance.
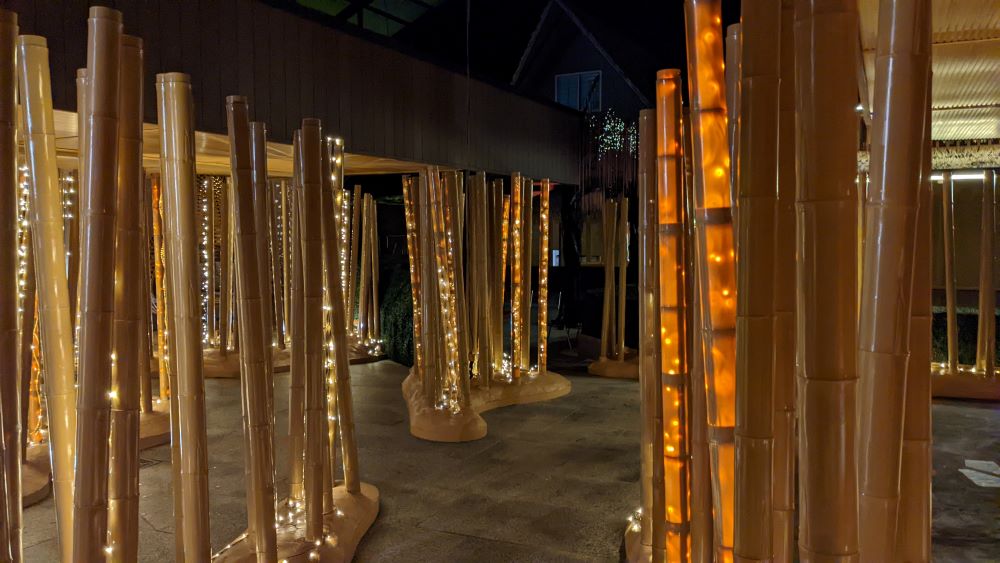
(343, 527)
(967, 383)
(441, 426)
(635, 552)
(616, 369)
(36, 475)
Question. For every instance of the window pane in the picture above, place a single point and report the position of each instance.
(568, 90)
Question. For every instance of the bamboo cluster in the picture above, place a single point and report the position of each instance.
(369, 323)
(615, 255)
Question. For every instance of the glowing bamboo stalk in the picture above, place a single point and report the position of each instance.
(271, 239)
(50, 254)
(342, 380)
(10, 400)
(516, 277)
(948, 220)
(225, 268)
(352, 276)
(175, 114)
(527, 201)
(610, 217)
(481, 247)
(756, 236)
(161, 309)
(913, 532)
(145, 306)
(986, 334)
(543, 275)
(667, 331)
(783, 478)
(501, 276)
(364, 329)
(247, 142)
(286, 275)
(123, 478)
(210, 266)
(97, 284)
(432, 337)
(886, 291)
(376, 325)
(732, 75)
(715, 251)
(296, 386)
(74, 226)
(28, 325)
(312, 276)
(452, 198)
(410, 206)
(826, 43)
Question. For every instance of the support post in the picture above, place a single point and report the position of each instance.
(986, 335)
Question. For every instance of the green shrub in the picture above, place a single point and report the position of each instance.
(397, 317)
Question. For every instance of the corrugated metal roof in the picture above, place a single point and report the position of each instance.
(965, 63)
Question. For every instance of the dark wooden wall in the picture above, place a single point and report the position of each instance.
(383, 102)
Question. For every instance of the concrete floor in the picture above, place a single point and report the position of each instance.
(550, 482)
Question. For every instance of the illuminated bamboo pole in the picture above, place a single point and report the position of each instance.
(734, 47)
(756, 236)
(342, 379)
(286, 274)
(886, 290)
(352, 276)
(364, 330)
(145, 305)
(668, 329)
(472, 212)
(527, 202)
(247, 150)
(225, 268)
(74, 226)
(161, 309)
(715, 252)
(272, 243)
(913, 532)
(517, 288)
(410, 206)
(27, 326)
(261, 192)
(10, 400)
(622, 259)
(53, 295)
(502, 234)
(210, 251)
(610, 217)
(986, 334)
(128, 339)
(783, 477)
(176, 120)
(483, 245)
(312, 276)
(948, 210)
(96, 306)
(296, 386)
(432, 337)
(454, 192)
(826, 43)
(376, 317)
(543, 275)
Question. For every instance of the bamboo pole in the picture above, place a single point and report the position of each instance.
(886, 290)
(225, 269)
(756, 239)
(364, 329)
(622, 260)
(485, 244)
(453, 198)
(258, 143)
(161, 309)
(296, 390)
(342, 379)
(913, 532)
(517, 288)
(610, 216)
(74, 226)
(826, 253)
(783, 477)
(734, 45)
(176, 120)
(410, 207)
(501, 234)
(432, 337)
(948, 210)
(278, 294)
(10, 403)
(10, 400)
(527, 202)
(96, 306)
(543, 275)
(28, 307)
(352, 276)
(123, 478)
(312, 275)
(53, 299)
(716, 254)
(286, 274)
(210, 259)
(247, 141)
(376, 310)
(986, 334)
(145, 304)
